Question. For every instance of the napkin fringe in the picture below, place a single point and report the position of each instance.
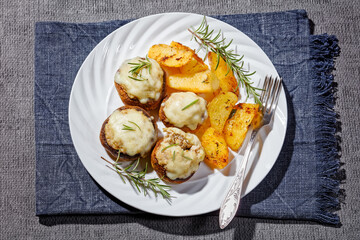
(324, 48)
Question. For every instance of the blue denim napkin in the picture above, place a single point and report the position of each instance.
(300, 185)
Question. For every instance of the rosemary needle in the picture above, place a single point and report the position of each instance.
(190, 104)
(171, 145)
(136, 79)
(126, 127)
(135, 125)
(187, 157)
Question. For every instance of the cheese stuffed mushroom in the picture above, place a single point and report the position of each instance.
(177, 156)
(129, 133)
(183, 110)
(140, 82)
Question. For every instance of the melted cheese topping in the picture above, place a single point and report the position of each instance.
(183, 156)
(130, 142)
(148, 89)
(189, 117)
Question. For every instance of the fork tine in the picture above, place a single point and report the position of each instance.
(273, 93)
(277, 94)
(268, 94)
(264, 89)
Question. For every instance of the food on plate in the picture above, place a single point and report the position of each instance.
(200, 82)
(129, 133)
(237, 126)
(216, 149)
(227, 80)
(220, 108)
(140, 82)
(184, 110)
(196, 64)
(177, 156)
(170, 56)
(185, 70)
(203, 127)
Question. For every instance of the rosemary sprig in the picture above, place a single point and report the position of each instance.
(136, 67)
(190, 104)
(171, 145)
(137, 179)
(135, 125)
(204, 36)
(126, 127)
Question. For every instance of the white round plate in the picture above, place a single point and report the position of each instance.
(93, 98)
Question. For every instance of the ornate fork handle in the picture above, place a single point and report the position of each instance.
(231, 202)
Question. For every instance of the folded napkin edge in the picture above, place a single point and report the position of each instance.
(324, 49)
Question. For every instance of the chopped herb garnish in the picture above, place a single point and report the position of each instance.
(171, 145)
(135, 125)
(173, 156)
(190, 104)
(136, 79)
(126, 127)
(187, 157)
(136, 68)
(232, 113)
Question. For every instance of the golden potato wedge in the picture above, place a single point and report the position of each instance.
(169, 56)
(228, 82)
(237, 126)
(196, 64)
(180, 46)
(219, 109)
(215, 86)
(199, 82)
(216, 150)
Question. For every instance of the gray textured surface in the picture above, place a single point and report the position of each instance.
(17, 171)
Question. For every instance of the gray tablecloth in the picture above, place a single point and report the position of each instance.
(17, 197)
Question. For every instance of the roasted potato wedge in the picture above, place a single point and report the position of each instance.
(216, 150)
(196, 64)
(180, 46)
(170, 56)
(198, 82)
(228, 82)
(237, 126)
(219, 109)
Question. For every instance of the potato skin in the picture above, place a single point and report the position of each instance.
(216, 150)
(169, 56)
(161, 171)
(236, 127)
(113, 152)
(150, 105)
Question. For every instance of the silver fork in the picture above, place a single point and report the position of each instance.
(269, 98)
